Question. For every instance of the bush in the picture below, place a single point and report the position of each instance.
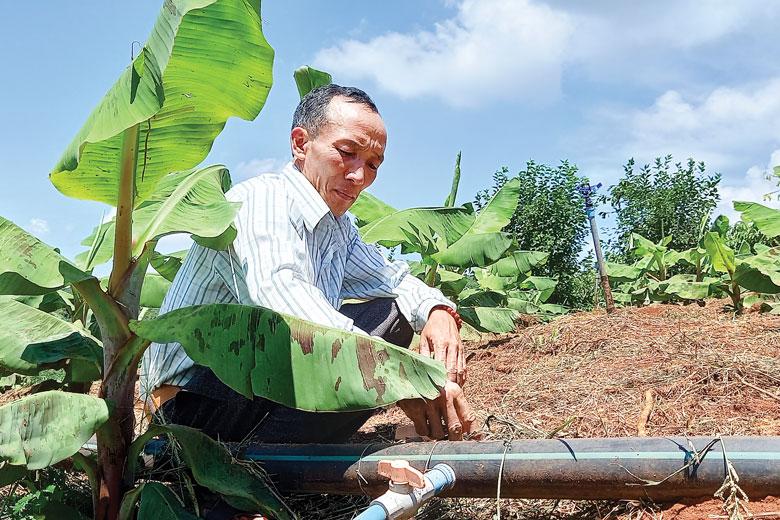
(549, 217)
(657, 201)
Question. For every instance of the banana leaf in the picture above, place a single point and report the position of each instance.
(544, 285)
(167, 265)
(213, 467)
(721, 255)
(483, 243)
(191, 201)
(767, 220)
(492, 282)
(420, 229)
(153, 290)
(686, 287)
(205, 61)
(518, 263)
(490, 319)
(368, 208)
(475, 250)
(483, 299)
(156, 502)
(43, 429)
(619, 273)
(256, 351)
(32, 341)
(308, 78)
(30, 267)
(450, 283)
(758, 273)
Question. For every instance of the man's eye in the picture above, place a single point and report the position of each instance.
(345, 153)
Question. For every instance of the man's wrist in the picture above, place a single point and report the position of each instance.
(449, 310)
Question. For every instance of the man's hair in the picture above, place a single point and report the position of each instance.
(311, 111)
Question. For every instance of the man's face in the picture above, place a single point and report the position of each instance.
(343, 159)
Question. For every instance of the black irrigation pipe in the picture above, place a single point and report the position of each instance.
(661, 469)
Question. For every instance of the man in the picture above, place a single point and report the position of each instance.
(297, 252)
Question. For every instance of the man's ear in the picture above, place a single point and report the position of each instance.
(299, 139)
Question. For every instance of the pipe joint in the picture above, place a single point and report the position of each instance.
(403, 500)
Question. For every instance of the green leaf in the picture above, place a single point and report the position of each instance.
(213, 467)
(543, 284)
(10, 474)
(168, 264)
(492, 282)
(518, 263)
(205, 61)
(257, 351)
(308, 78)
(490, 319)
(30, 267)
(153, 290)
(43, 429)
(686, 287)
(192, 201)
(767, 220)
(619, 273)
(483, 299)
(420, 228)
(483, 243)
(32, 340)
(475, 250)
(721, 255)
(368, 208)
(450, 283)
(450, 200)
(758, 273)
(159, 502)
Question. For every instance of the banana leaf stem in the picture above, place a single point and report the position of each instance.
(123, 239)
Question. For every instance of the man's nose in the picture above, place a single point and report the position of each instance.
(358, 175)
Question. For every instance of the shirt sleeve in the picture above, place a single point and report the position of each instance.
(369, 275)
(271, 252)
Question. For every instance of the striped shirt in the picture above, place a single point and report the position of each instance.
(291, 255)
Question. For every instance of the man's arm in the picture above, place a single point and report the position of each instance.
(369, 275)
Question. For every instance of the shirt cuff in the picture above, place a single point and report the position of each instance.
(424, 310)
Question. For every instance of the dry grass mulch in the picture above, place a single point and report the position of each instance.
(700, 370)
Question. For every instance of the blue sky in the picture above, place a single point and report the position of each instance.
(504, 81)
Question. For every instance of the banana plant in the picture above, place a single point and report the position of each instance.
(453, 242)
(758, 273)
(204, 62)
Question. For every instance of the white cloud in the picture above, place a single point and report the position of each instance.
(720, 128)
(38, 226)
(755, 186)
(248, 169)
(491, 50)
(497, 50)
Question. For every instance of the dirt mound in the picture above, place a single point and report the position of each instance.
(691, 370)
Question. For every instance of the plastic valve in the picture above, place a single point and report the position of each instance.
(400, 472)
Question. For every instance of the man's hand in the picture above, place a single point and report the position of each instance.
(441, 337)
(449, 411)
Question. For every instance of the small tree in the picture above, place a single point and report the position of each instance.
(658, 201)
(550, 216)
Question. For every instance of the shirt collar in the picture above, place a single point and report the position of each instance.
(309, 202)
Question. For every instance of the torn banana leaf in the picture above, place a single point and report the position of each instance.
(299, 364)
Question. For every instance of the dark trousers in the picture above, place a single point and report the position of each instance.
(209, 405)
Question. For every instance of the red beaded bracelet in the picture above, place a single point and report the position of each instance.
(452, 312)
